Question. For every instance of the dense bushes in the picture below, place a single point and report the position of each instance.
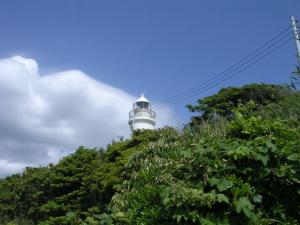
(82, 183)
(249, 176)
(227, 99)
(237, 169)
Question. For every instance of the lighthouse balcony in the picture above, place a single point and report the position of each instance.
(142, 114)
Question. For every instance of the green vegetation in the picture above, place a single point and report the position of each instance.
(238, 162)
(226, 100)
(82, 183)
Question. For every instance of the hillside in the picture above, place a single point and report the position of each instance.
(236, 162)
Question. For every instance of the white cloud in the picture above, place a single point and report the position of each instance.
(42, 118)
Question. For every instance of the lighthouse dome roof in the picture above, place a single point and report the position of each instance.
(142, 99)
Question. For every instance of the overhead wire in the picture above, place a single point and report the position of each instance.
(227, 73)
(240, 63)
(213, 84)
(224, 78)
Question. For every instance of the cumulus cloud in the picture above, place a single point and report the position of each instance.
(43, 118)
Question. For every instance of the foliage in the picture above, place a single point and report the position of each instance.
(251, 175)
(239, 165)
(288, 108)
(82, 183)
(223, 103)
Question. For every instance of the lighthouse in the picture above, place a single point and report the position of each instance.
(142, 116)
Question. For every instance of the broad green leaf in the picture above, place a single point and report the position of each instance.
(293, 157)
(262, 158)
(205, 221)
(271, 146)
(257, 198)
(224, 185)
(119, 214)
(222, 198)
(213, 181)
(244, 205)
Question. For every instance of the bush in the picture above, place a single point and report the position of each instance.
(251, 175)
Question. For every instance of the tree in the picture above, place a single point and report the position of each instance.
(223, 103)
(248, 175)
(78, 186)
(242, 168)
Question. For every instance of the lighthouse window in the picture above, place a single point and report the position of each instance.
(142, 105)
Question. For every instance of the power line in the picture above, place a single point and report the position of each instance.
(213, 84)
(243, 62)
(251, 55)
(228, 74)
(228, 70)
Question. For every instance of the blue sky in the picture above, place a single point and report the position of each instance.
(159, 47)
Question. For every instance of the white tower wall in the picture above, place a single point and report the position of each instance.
(142, 117)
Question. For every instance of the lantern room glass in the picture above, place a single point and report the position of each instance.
(142, 105)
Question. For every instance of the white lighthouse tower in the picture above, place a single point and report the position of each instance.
(142, 116)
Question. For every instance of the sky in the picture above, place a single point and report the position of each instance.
(70, 70)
